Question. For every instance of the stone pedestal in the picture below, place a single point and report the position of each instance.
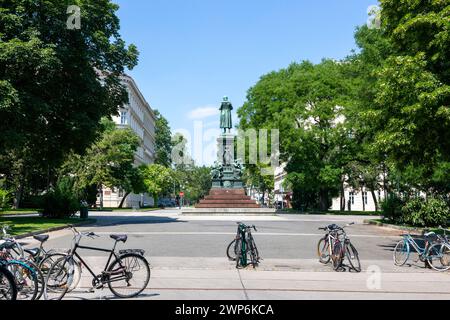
(227, 198)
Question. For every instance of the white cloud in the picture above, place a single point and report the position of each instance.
(203, 112)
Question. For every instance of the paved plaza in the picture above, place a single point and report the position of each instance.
(188, 259)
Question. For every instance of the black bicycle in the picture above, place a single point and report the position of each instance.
(243, 248)
(127, 275)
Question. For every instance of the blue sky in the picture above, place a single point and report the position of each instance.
(193, 52)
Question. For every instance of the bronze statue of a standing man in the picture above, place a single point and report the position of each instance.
(225, 115)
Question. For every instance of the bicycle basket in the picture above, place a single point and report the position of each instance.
(135, 251)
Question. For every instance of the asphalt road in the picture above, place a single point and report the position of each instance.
(165, 234)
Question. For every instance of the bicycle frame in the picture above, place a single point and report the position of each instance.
(410, 240)
(112, 253)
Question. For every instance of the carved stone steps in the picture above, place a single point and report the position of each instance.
(227, 198)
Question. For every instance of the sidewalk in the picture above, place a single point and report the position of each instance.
(216, 278)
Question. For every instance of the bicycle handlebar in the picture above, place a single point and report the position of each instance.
(247, 227)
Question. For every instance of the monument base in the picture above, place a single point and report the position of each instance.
(227, 199)
(229, 212)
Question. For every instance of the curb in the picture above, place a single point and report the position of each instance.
(35, 233)
(6, 215)
(393, 226)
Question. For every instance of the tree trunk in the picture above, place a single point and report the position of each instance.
(374, 199)
(18, 196)
(123, 200)
(323, 200)
(101, 195)
(363, 200)
(342, 196)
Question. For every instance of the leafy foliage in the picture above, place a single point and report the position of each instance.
(163, 141)
(303, 102)
(157, 180)
(432, 212)
(5, 197)
(108, 162)
(60, 202)
(55, 84)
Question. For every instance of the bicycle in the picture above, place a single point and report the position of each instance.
(44, 260)
(24, 274)
(430, 254)
(244, 247)
(331, 247)
(38, 258)
(8, 287)
(325, 245)
(117, 274)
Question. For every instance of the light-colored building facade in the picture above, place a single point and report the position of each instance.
(358, 200)
(139, 116)
(355, 200)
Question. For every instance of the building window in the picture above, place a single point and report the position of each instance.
(365, 198)
(352, 197)
(123, 117)
(121, 193)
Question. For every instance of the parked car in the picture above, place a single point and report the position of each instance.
(166, 203)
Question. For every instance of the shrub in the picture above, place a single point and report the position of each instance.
(61, 202)
(432, 212)
(392, 208)
(5, 198)
(436, 212)
(412, 212)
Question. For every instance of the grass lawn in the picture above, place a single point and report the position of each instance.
(25, 225)
(334, 213)
(18, 211)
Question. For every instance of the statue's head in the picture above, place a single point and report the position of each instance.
(225, 99)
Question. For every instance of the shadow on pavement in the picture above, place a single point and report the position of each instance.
(114, 221)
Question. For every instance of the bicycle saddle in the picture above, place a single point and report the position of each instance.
(34, 252)
(42, 238)
(119, 237)
(430, 235)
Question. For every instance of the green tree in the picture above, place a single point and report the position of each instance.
(108, 162)
(194, 181)
(163, 141)
(157, 180)
(303, 102)
(56, 84)
(402, 112)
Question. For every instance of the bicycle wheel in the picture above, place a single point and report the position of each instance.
(50, 259)
(231, 250)
(40, 278)
(439, 257)
(8, 288)
(59, 278)
(129, 275)
(254, 255)
(25, 278)
(239, 244)
(337, 256)
(353, 257)
(323, 251)
(401, 253)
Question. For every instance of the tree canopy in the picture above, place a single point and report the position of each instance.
(55, 83)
